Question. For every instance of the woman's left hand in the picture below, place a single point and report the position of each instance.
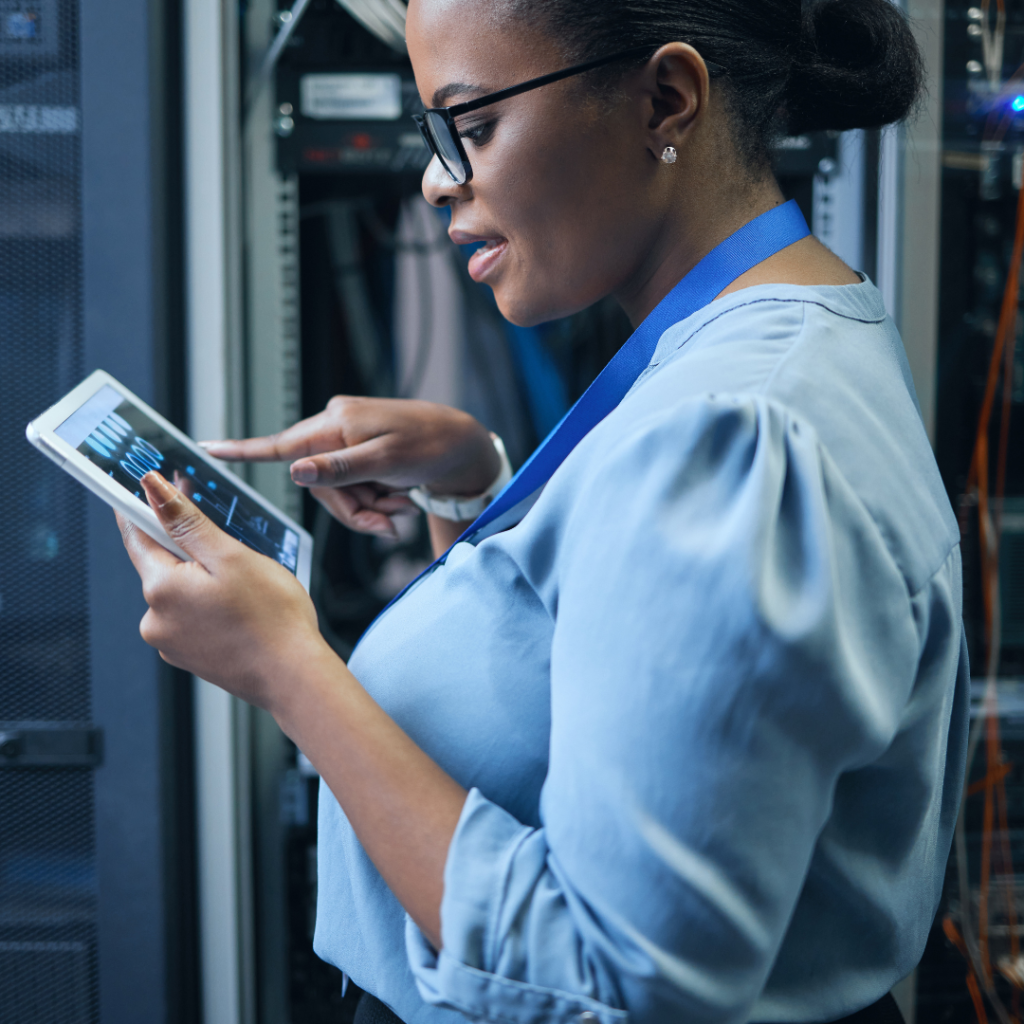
(232, 616)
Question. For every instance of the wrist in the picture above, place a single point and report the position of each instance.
(475, 463)
(458, 507)
(295, 682)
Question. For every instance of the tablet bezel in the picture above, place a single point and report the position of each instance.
(41, 432)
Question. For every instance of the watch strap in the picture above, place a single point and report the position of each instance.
(458, 509)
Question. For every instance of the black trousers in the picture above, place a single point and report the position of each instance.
(885, 1011)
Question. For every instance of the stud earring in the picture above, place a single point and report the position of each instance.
(669, 156)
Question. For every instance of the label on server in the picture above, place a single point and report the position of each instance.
(351, 97)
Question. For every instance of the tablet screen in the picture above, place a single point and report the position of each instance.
(125, 443)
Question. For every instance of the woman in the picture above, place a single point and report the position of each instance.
(685, 742)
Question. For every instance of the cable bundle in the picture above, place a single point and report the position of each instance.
(975, 946)
(384, 18)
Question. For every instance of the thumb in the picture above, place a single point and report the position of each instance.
(196, 535)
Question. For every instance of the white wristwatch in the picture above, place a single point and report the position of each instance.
(460, 510)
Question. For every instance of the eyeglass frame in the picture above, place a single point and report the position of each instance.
(448, 114)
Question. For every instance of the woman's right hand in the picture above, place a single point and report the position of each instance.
(360, 454)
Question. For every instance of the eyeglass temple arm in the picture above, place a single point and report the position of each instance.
(536, 83)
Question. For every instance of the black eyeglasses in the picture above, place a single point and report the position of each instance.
(439, 131)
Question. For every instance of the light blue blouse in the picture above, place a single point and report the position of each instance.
(710, 698)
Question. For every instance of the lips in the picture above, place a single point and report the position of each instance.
(486, 258)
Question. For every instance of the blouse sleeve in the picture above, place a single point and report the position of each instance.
(731, 635)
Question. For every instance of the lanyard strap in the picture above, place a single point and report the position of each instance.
(752, 244)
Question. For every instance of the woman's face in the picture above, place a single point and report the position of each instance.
(561, 183)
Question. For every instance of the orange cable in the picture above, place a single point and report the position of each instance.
(978, 472)
(1002, 355)
(979, 787)
(1004, 427)
(997, 351)
(953, 934)
(1009, 887)
(979, 1004)
(989, 552)
(994, 783)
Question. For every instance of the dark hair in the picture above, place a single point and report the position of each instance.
(835, 64)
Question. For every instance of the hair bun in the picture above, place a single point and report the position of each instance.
(858, 66)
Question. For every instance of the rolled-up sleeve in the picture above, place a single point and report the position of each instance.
(732, 635)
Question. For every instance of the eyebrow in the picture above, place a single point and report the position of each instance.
(446, 92)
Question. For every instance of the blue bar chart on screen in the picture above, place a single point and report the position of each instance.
(122, 440)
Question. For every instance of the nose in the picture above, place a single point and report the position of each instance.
(438, 188)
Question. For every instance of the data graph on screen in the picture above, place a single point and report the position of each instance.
(123, 441)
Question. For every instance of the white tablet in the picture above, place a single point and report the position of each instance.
(108, 439)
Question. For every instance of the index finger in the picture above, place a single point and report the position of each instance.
(307, 437)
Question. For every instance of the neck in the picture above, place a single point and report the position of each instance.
(681, 242)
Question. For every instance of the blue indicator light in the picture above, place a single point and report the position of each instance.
(212, 485)
(1018, 103)
(197, 498)
(191, 470)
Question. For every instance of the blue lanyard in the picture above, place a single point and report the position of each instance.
(752, 244)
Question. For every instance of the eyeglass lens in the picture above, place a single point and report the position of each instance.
(445, 146)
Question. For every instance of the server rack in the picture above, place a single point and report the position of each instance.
(977, 933)
(95, 850)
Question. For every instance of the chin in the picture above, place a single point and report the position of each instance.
(531, 310)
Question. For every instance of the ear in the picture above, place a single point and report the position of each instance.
(678, 86)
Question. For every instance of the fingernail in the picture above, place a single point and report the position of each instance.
(209, 444)
(304, 473)
(159, 487)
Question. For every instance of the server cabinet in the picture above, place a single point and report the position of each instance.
(94, 849)
(972, 966)
(48, 906)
